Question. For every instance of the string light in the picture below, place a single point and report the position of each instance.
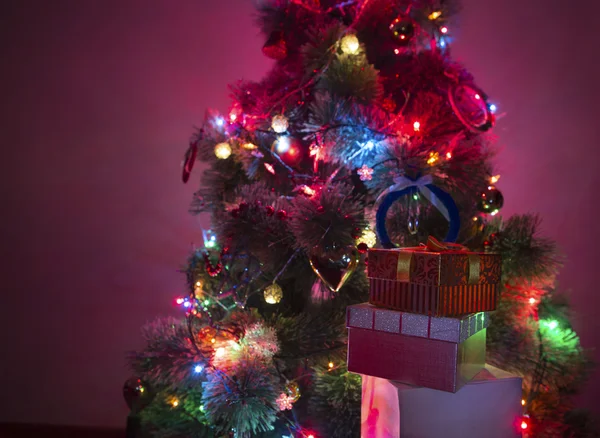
(330, 365)
(433, 158)
(198, 284)
(493, 108)
(494, 179)
(249, 146)
(223, 151)
(270, 168)
(220, 121)
(350, 44)
(435, 15)
(179, 301)
(213, 340)
(532, 301)
(522, 402)
(198, 368)
(282, 145)
(524, 425)
(175, 403)
(444, 30)
(449, 155)
(417, 126)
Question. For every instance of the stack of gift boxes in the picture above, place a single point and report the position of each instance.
(421, 342)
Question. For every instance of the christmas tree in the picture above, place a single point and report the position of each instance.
(364, 124)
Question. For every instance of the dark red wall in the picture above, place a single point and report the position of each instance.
(99, 98)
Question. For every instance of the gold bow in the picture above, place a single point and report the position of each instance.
(433, 245)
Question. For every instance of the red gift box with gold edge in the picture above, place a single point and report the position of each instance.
(436, 279)
(433, 352)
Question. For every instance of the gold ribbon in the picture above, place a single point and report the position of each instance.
(405, 257)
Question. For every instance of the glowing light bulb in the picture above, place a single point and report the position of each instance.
(435, 15)
(494, 179)
(532, 301)
(310, 436)
(449, 155)
(232, 117)
(522, 402)
(397, 51)
(493, 108)
(198, 368)
(175, 403)
(219, 352)
(187, 304)
(220, 121)
(198, 284)
(417, 126)
(201, 408)
(179, 300)
(213, 340)
(206, 303)
(552, 324)
(433, 158)
(350, 44)
(330, 365)
(249, 146)
(223, 151)
(282, 145)
(270, 168)
(279, 124)
(524, 425)
(477, 96)
(444, 29)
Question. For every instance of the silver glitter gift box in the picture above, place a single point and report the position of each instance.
(434, 352)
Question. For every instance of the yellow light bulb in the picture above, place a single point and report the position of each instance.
(331, 365)
(213, 340)
(223, 151)
(350, 44)
(433, 158)
(523, 402)
(435, 15)
(249, 146)
(494, 179)
(175, 403)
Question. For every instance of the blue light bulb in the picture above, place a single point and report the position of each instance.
(198, 368)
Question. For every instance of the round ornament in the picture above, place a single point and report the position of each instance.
(293, 390)
(491, 200)
(280, 124)
(402, 29)
(137, 394)
(273, 294)
(350, 44)
(471, 107)
(223, 151)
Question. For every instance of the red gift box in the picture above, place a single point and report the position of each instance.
(437, 353)
(440, 282)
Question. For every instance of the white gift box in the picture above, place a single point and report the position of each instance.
(487, 407)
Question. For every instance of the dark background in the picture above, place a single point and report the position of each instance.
(99, 98)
